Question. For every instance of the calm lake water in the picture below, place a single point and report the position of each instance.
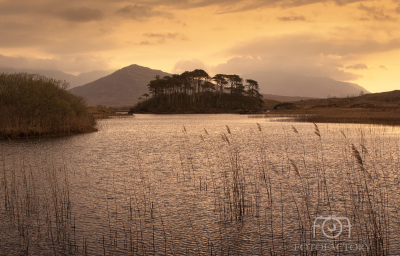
(203, 184)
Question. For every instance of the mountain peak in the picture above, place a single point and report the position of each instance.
(119, 89)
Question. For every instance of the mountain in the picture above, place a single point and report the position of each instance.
(121, 88)
(280, 83)
(81, 79)
(126, 85)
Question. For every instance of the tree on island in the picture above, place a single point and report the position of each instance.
(196, 91)
(220, 81)
(146, 95)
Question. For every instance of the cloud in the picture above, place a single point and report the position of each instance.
(17, 39)
(162, 37)
(243, 6)
(15, 26)
(312, 45)
(10, 8)
(382, 67)
(292, 18)
(71, 64)
(144, 43)
(188, 65)
(344, 2)
(42, 39)
(299, 54)
(303, 54)
(81, 14)
(357, 66)
(106, 31)
(100, 25)
(375, 13)
(141, 12)
(78, 45)
(229, 6)
(317, 66)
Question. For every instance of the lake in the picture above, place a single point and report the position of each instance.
(203, 184)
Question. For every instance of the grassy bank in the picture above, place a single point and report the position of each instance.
(33, 105)
(340, 115)
(379, 108)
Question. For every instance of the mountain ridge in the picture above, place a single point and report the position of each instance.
(119, 89)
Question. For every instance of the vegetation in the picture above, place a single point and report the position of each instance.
(197, 92)
(341, 115)
(267, 188)
(33, 105)
(101, 112)
(377, 108)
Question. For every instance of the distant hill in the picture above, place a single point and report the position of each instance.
(392, 96)
(81, 79)
(121, 88)
(383, 100)
(280, 83)
(373, 108)
(284, 98)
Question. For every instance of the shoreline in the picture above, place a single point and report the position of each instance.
(43, 136)
(340, 115)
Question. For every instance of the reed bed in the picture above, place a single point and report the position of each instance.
(35, 201)
(258, 194)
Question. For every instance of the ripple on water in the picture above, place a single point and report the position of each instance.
(146, 185)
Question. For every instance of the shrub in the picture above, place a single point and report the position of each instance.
(33, 105)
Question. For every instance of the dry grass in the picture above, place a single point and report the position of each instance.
(378, 108)
(361, 110)
(101, 112)
(386, 116)
(16, 127)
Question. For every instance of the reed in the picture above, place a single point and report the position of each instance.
(38, 204)
(264, 189)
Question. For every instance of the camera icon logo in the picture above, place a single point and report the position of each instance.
(332, 224)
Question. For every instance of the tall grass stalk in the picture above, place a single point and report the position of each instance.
(264, 188)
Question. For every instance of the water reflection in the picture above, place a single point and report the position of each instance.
(186, 184)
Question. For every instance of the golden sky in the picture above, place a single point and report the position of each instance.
(347, 40)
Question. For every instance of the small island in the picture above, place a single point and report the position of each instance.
(197, 92)
(34, 106)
